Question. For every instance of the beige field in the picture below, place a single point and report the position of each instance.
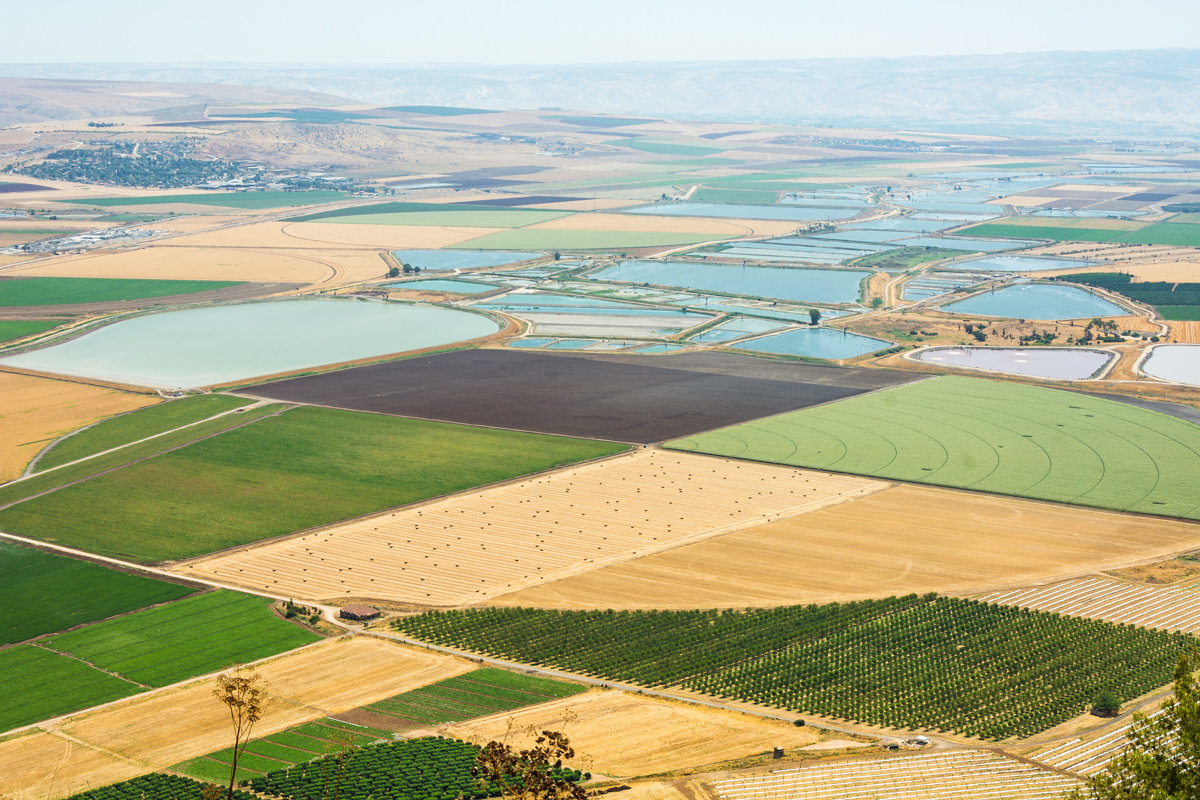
(1185, 332)
(156, 730)
(44, 765)
(473, 546)
(626, 735)
(34, 411)
(904, 539)
(216, 264)
(587, 204)
(667, 224)
(392, 237)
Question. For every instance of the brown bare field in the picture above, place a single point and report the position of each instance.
(904, 539)
(667, 224)
(1185, 332)
(169, 726)
(216, 264)
(1170, 570)
(34, 411)
(42, 765)
(469, 547)
(626, 735)
(395, 237)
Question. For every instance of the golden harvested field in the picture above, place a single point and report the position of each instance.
(649, 222)
(588, 204)
(165, 727)
(469, 547)
(904, 539)
(626, 735)
(195, 263)
(393, 237)
(34, 411)
(40, 765)
(1185, 332)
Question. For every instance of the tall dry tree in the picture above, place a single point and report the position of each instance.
(532, 773)
(244, 692)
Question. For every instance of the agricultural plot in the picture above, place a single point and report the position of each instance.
(34, 411)
(162, 645)
(40, 764)
(135, 426)
(936, 776)
(12, 329)
(1159, 607)
(21, 292)
(899, 540)
(305, 467)
(476, 694)
(1087, 756)
(1049, 230)
(561, 239)
(38, 684)
(460, 215)
(469, 547)
(962, 666)
(996, 437)
(244, 200)
(409, 770)
(154, 787)
(481, 692)
(81, 592)
(621, 399)
(627, 735)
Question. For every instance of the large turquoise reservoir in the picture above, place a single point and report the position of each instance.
(206, 346)
(797, 283)
(1037, 301)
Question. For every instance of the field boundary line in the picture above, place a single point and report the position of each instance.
(73, 657)
(136, 461)
(30, 472)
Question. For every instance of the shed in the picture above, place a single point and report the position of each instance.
(359, 612)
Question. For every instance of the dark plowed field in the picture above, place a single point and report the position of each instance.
(626, 399)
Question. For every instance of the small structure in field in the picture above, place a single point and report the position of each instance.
(359, 612)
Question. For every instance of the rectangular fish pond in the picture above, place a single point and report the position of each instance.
(1068, 364)
(803, 284)
(825, 343)
(1020, 264)
(736, 328)
(1041, 301)
(449, 286)
(198, 347)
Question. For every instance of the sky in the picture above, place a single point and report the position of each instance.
(572, 31)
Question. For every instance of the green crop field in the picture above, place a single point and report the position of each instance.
(752, 196)
(1180, 313)
(308, 466)
(156, 786)
(245, 200)
(126, 428)
(12, 329)
(37, 684)
(42, 592)
(949, 664)
(414, 769)
(18, 292)
(971, 433)
(905, 257)
(1180, 234)
(545, 239)
(168, 643)
(280, 750)
(476, 694)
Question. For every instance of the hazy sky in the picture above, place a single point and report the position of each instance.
(572, 31)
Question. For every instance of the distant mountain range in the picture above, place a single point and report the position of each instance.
(1119, 94)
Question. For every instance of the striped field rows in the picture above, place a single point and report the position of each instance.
(1086, 757)
(1164, 608)
(934, 776)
